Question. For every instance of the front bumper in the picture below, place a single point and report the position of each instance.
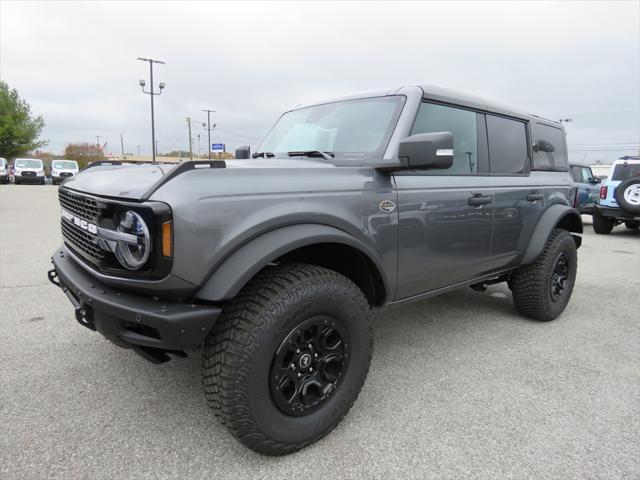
(614, 212)
(29, 178)
(148, 325)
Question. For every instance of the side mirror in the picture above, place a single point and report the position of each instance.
(594, 180)
(243, 152)
(427, 151)
(544, 146)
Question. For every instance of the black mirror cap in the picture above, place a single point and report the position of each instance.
(427, 151)
(243, 152)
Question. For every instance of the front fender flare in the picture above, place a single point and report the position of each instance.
(239, 267)
(556, 215)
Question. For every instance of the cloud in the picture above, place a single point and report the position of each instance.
(75, 62)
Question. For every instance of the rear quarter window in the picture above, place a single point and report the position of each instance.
(626, 171)
(550, 150)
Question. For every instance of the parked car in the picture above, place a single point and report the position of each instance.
(4, 170)
(273, 265)
(588, 189)
(63, 169)
(619, 200)
(28, 170)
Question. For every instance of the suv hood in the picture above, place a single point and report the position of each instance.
(132, 181)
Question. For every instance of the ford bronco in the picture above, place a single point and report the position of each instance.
(619, 200)
(273, 265)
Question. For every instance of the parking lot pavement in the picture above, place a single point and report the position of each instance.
(460, 385)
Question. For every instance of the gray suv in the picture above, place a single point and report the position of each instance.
(273, 265)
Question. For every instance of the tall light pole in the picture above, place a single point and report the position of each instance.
(209, 112)
(152, 94)
(190, 139)
(122, 145)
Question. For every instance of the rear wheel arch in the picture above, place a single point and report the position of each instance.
(314, 244)
(556, 216)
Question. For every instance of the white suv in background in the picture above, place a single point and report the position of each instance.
(4, 170)
(619, 197)
(61, 169)
(28, 170)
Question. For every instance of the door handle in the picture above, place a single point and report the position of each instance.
(478, 200)
(534, 197)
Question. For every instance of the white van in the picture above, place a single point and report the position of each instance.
(28, 170)
(61, 169)
(4, 170)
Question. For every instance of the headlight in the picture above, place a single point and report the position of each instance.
(40, 172)
(131, 255)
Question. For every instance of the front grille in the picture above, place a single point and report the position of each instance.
(82, 241)
(66, 174)
(28, 174)
(79, 205)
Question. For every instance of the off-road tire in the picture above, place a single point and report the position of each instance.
(632, 225)
(237, 355)
(601, 224)
(531, 284)
(618, 194)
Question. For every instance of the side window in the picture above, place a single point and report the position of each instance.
(508, 150)
(549, 152)
(464, 127)
(576, 174)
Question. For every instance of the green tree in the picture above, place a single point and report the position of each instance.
(19, 129)
(83, 153)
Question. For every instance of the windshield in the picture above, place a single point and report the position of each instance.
(68, 164)
(625, 171)
(28, 163)
(350, 129)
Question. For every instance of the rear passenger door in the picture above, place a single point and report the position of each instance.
(445, 215)
(519, 200)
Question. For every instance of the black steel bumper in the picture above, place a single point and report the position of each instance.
(613, 212)
(151, 327)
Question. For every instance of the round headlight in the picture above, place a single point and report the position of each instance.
(133, 256)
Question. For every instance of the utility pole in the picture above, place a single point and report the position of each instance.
(198, 145)
(156, 145)
(122, 145)
(138, 150)
(190, 140)
(98, 140)
(209, 112)
(152, 94)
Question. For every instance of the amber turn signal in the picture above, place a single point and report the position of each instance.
(167, 239)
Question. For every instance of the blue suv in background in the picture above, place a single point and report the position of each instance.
(619, 200)
(587, 188)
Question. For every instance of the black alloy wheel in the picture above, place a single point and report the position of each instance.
(309, 365)
(559, 276)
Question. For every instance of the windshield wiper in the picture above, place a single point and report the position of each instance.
(312, 153)
(263, 155)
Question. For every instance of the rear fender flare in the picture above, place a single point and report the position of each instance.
(556, 216)
(239, 267)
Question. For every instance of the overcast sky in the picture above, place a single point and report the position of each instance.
(75, 63)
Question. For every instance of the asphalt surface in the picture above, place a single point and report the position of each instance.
(460, 385)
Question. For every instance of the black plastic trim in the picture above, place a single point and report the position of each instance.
(181, 168)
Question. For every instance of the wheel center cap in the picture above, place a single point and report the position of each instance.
(305, 360)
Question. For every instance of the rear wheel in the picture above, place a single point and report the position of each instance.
(542, 290)
(602, 224)
(288, 358)
(632, 225)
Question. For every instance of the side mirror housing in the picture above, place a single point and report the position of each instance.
(427, 151)
(594, 180)
(544, 146)
(243, 152)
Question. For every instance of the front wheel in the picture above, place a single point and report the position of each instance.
(288, 358)
(601, 224)
(542, 290)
